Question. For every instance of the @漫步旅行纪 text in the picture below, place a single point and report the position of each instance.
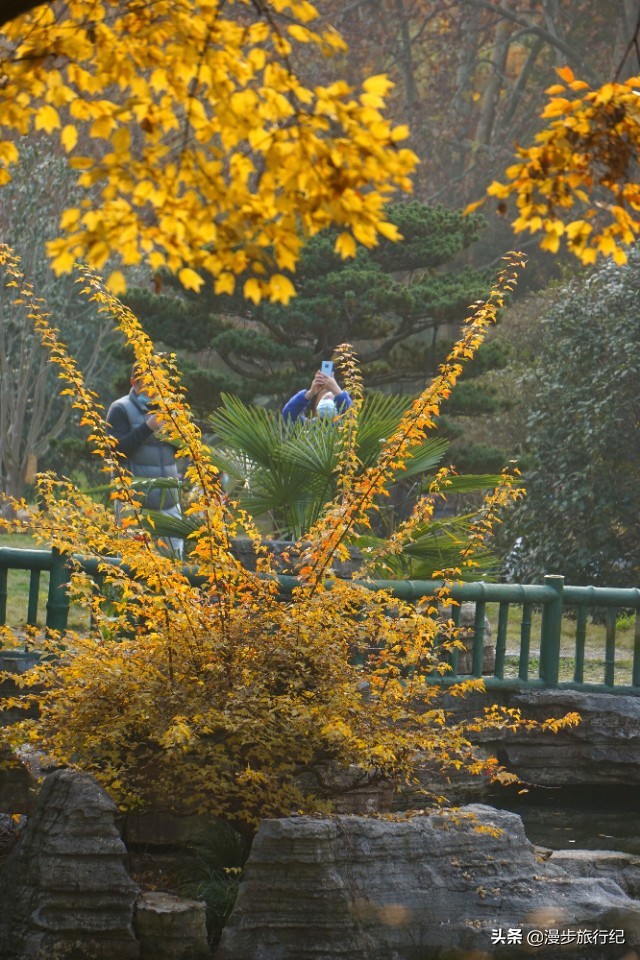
(541, 938)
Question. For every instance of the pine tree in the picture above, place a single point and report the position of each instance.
(392, 301)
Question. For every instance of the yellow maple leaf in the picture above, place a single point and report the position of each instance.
(189, 279)
(401, 132)
(566, 73)
(378, 85)
(301, 34)
(8, 152)
(345, 246)
(69, 137)
(252, 290)
(225, 283)
(69, 218)
(63, 262)
(280, 289)
(116, 282)
(47, 119)
(389, 231)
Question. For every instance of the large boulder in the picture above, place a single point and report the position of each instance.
(623, 868)
(603, 749)
(64, 889)
(437, 886)
(171, 928)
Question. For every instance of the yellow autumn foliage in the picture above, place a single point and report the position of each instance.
(206, 149)
(222, 696)
(578, 183)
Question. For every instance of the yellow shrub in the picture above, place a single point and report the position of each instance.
(218, 697)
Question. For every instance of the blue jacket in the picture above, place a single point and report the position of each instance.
(294, 408)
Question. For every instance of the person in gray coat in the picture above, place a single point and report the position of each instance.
(136, 427)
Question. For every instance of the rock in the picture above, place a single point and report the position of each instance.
(351, 789)
(64, 889)
(10, 830)
(466, 633)
(170, 928)
(603, 748)
(18, 787)
(622, 868)
(436, 886)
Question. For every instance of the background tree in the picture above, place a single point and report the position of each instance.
(581, 516)
(207, 148)
(470, 74)
(392, 301)
(37, 429)
(578, 183)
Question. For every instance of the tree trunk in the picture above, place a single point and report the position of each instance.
(407, 57)
(486, 122)
(626, 57)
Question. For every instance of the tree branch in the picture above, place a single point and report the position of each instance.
(552, 39)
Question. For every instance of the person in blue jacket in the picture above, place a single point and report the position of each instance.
(323, 398)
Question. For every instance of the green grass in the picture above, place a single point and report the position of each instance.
(594, 651)
(18, 591)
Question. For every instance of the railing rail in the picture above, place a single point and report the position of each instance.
(552, 597)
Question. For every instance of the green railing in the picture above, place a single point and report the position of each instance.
(540, 654)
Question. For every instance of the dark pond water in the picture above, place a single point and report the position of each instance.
(602, 818)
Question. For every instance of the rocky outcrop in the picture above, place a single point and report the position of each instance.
(622, 868)
(64, 889)
(603, 748)
(171, 928)
(437, 886)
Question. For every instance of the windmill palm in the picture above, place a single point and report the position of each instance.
(283, 475)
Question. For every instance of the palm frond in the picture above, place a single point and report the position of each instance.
(426, 458)
(314, 449)
(257, 432)
(381, 413)
(165, 525)
(286, 472)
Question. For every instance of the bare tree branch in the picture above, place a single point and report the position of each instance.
(551, 38)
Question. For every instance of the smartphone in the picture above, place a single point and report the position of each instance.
(327, 367)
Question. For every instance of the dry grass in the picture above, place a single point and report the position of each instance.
(594, 650)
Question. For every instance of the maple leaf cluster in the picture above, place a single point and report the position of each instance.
(578, 182)
(205, 148)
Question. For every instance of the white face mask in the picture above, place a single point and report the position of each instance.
(326, 408)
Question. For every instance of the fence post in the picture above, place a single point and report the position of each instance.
(550, 633)
(3, 595)
(57, 599)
